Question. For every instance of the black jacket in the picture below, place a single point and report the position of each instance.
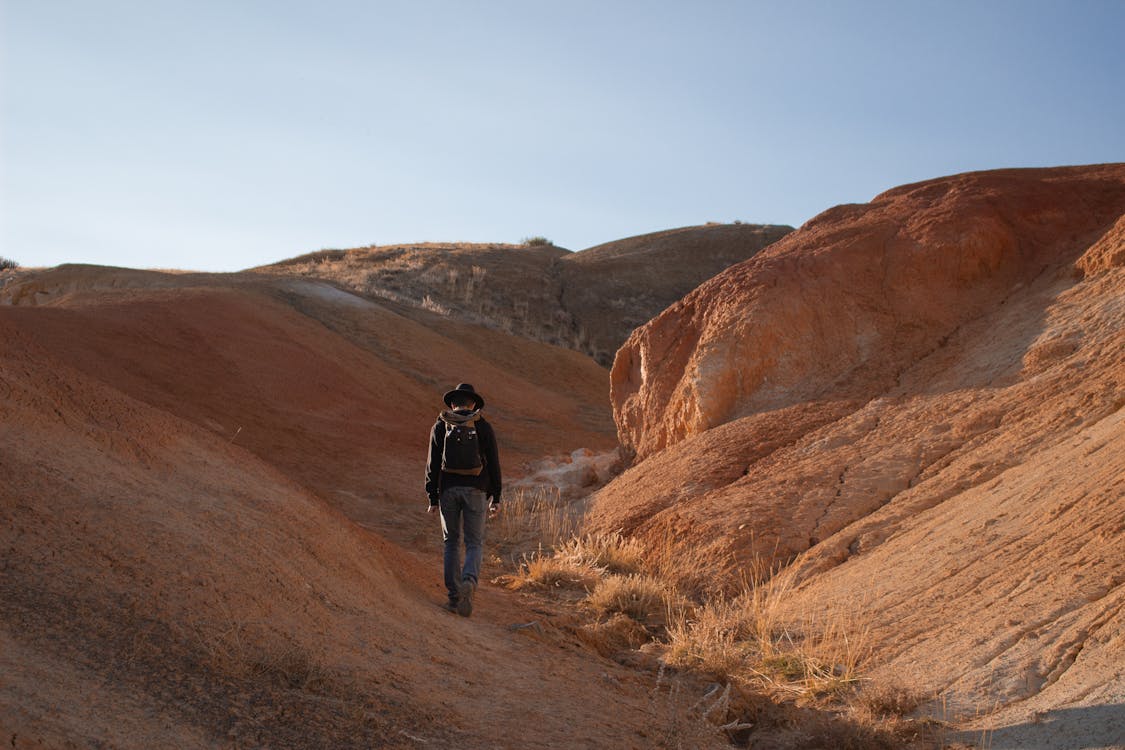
(487, 481)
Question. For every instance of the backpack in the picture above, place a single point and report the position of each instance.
(461, 453)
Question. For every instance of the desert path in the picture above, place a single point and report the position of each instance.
(183, 456)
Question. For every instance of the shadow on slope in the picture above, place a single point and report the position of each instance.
(1082, 728)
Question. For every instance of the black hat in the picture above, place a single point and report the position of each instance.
(464, 390)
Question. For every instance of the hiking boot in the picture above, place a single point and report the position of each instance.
(465, 597)
(450, 605)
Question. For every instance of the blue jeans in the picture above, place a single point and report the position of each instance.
(465, 506)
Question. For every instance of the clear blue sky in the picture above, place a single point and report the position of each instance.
(221, 135)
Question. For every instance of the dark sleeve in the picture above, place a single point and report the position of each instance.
(492, 463)
(433, 465)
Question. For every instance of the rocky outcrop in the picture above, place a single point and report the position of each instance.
(842, 307)
(611, 289)
(1108, 252)
(509, 288)
(915, 409)
(589, 301)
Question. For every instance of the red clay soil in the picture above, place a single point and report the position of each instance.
(212, 513)
(189, 464)
(917, 405)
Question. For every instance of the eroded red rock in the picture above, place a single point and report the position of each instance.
(916, 409)
(848, 302)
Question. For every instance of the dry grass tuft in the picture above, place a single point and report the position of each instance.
(788, 679)
(291, 666)
(752, 638)
(687, 569)
(429, 303)
(680, 721)
(251, 651)
(610, 552)
(538, 526)
(554, 572)
(616, 635)
(643, 598)
(531, 521)
(714, 641)
(886, 700)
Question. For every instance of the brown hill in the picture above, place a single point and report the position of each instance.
(177, 450)
(610, 289)
(588, 301)
(916, 405)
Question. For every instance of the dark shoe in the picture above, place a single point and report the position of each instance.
(465, 598)
(450, 605)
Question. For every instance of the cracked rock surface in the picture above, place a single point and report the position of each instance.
(916, 405)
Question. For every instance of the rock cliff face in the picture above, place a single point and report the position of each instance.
(1108, 252)
(844, 306)
(914, 406)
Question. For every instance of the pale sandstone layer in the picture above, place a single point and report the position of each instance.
(916, 404)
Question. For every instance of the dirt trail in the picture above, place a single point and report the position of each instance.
(214, 529)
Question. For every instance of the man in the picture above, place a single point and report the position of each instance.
(462, 471)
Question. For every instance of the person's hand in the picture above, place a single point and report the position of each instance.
(493, 507)
(431, 509)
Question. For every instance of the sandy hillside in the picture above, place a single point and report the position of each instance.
(589, 301)
(908, 410)
(185, 460)
(916, 405)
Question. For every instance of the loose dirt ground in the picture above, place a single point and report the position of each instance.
(214, 528)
